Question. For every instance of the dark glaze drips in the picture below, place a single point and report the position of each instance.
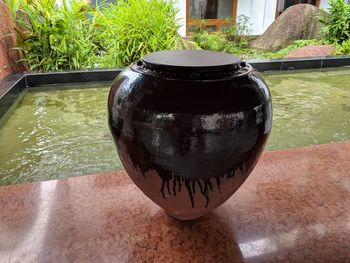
(192, 134)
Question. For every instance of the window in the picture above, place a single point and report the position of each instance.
(209, 14)
(284, 4)
(211, 9)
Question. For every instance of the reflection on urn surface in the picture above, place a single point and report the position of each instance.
(189, 133)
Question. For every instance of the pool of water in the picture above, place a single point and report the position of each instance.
(62, 132)
(57, 133)
(309, 108)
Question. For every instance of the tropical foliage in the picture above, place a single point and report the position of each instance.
(74, 35)
(344, 48)
(130, 29)
(54, 37)
(337, 24)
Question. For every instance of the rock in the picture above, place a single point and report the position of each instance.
(8, 57)
(312, 51)
(297, 22)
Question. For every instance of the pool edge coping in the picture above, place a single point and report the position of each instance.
(12, 86)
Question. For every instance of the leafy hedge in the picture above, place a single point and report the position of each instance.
(337, 23)
(133, 28)
(75, 35)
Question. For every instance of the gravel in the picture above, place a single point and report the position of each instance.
(312, 51)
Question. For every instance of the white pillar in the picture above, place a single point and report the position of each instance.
(181, 16)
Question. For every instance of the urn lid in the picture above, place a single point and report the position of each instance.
(190, 60)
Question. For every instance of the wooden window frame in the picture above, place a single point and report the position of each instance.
(208, 22)
(276, 13)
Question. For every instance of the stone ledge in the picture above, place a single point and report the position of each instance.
(293, 207)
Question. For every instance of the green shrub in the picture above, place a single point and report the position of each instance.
(231, 39)
(344, 48)
(233, 49)
(55, 37)
(337, 24)
(128, 30)
(246, 52)
(214, 41)
(219, 42)
(239, 31)
(75, 35)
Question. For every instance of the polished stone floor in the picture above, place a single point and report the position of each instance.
(294, 207)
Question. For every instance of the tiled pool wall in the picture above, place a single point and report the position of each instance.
(13, 86)
(10, 89)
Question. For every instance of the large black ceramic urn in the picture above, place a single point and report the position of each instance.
(189, 127)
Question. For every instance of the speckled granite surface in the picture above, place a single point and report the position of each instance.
(295, 207)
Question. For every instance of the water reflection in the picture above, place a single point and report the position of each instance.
(63, 132)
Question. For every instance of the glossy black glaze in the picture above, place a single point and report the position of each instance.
(192, 129)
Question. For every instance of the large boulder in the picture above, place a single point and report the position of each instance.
(8, 56)
(297, 22)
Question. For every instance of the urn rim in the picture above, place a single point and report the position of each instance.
(190, 60)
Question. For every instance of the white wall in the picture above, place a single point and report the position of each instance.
(324, 4)
(181, 16)
(261, 16)
(261, 13)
